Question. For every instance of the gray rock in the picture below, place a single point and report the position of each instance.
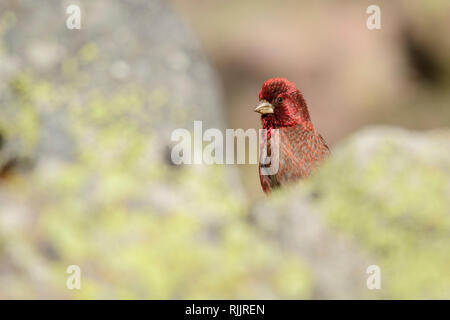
(382, 198)
(132, 42)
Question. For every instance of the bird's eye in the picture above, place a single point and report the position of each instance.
(279, 99)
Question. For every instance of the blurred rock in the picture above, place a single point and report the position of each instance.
(92, 111)
(338, 265)
(383, 198)
(140, 42)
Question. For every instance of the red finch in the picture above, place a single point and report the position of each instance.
(300, 146)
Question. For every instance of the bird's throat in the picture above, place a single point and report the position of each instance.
(270, 122)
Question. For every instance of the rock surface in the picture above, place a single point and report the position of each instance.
(85, 120)
(382, 199)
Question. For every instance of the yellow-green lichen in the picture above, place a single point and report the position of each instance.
(137, 227)
(395, 205)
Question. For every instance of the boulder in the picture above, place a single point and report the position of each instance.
(383, 199)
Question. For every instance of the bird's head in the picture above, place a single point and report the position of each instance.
(281, 104)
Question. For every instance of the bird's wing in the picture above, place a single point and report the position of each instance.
(301, 149)
(324, 144)
(267, 182)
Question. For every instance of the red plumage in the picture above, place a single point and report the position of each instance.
(301, 147)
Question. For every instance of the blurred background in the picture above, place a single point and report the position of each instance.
(85, 171)
(350, 76)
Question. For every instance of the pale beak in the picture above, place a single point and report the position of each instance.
(264, 107)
